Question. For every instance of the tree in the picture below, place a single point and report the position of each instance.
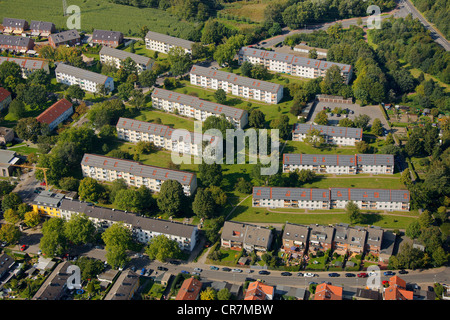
(224, 294)
(353, 212)
(210, 174)
(362, 147)
(225, 52)
(147, 78)
(257, 119)
(74, 91)
(30, 129)
(208, 294)
(333, 81)
(219, 196)
(171, 196)
(377, 127)
(17, 108)
(220, 95)
(314, 138)
(9, 233)
(243, 186)
(162, 248)
(117, 239)
(180, 62)
(69, 183)
(32, 218)
(89, 190)
(79, 229)
(312, 54)
(53, 241)
(361, 121)
(11, 216)
(321, 118)
(425, 219)
(203, 205)
(145, 147)
(246, 69)
(11, 201)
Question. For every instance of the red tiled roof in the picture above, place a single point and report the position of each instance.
(4, 94)
(325, 291)
(52, 113)
(190, 289)
(259, 291)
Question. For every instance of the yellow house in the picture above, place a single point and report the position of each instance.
(47, 203)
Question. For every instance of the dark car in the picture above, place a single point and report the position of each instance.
(184, 271)
(226, 269)
(175, 262)
(389, 273)
(162, 268)
(403, 271)
(286, 274)
(348, 275)
(333, 274)
(264, 272)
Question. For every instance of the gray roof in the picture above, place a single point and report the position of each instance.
(106, 35)
(6, 156)
(375, 159)
(341, 232)
(123, 286)
(42, 26)
(65, 36)
(246, 233)
(321, 233)
(304, 128)
(14, 41)
(137, 168)
(235, 79)
(142, 222)
(122, 55)
(14, 23)
(81, 73)
(378, 195)
(30, 64)
(338, 160)
(291, 193)
(48, 198)
(54, 285)
(296, 232)
(186, 44)
(292, 59)
(357, 236)
(374, 236)
(158, 129)
(200, 104)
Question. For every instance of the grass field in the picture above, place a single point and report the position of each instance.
(98, 14)
(248, 9)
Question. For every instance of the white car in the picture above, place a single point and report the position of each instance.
(198, 270)
(236, 270)
(309, 275)
(373, 273)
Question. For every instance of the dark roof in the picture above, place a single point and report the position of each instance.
(64, 36)
(81, 73)
(56, 110)
(186, 44)
(338, 160)
(14, 23)
(296, 232)
(106, 35)
(304, 128)
(30, 64)
(291, 193)
(122, 55)
(246, 233)
(42, 26)
(7, 40)
(235, 79)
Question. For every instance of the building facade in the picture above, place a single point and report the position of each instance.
(87, 80)
(243, 236)
(107, 38)
(244, 87)
(16, 43)
(342, 136)
(196, 108)
(108, 169)
(116, 57)
(11, 25)
(163, 43)
(57, 113)
(42, 28)
(69, 38)
(28, 66)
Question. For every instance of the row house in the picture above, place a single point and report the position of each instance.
(28, 66)
(116, 57)
(134, 173)
(342, 136)
(162, 136)
(332, 198)
(244, 236)
(17, 26)
(244, 87)
(292, 64)
(163, 43)
(196, 108)
(87, 80)
(55, 285)
(143, 228)
(59, 112)
(16, 43)
(349, 239)
(42, 28)
(69, 38)
(320, 238)
(339, 164)
(107, 38)
(295, 238)
(124, 287)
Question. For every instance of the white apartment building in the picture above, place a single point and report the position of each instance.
(371, 199)
(292, 64)
(163, 43)
(87, 80)
(196, 108)
(143, 228)
(162, 136)
(108, 169)
(28, 66)
(249, 88)
(116, 57)
(339, 164)
(343, 136)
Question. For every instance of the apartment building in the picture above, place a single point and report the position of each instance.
(116, 57)
(244, 236)
(69, 38)
(196, 108)
(47, 203)
(339, 164)
(244, 87)
(42, 28)
(342, 136)
(371, 199)
(163, 43)
(87, 80)
(11, 25)
(16, 43)
(28, 66)
(59, 112)
(292, 64)
(135, 173)
(295, 238)
(143, 228)
(107, 38)
(162, 136)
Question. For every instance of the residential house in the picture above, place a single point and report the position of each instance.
(291, 64)
(295, 238)
(87, 80)
(28, 66)
(67, 38)
(135, 173)
(47, 203)
(340, 243)
(16, 43)
(296, 293)
(55, 286)
(397, 290)
(259, 291)
(42, 28)
(320, 238)
(116, 58)
(343, 136)
(374, 240)
(368, 294)
(244, 87)
(7, 161)
(17, 26)
(304, 48)
(387, 247)
(6, 135)
(59, 112)
(189, 290)
(356, 240)
(107, 38)
(124, 287)
(243, 236)
(5, 98)
(196, 108)
(163, 43)
(325, 291)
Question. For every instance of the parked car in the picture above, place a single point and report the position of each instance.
(23, 247)
(198, 270)
(184, 271)
(384, 282)
(142, 271)
(389, 273)
(236, 270)
(309, 275)
(312, 282)
(175, 262)
(214, 268)
(195, 273)
(286, 274)
(226, 269)
(300, 274)
(348, 275)
(333, 274)
(373, 273)
(403, 271)
(362, 275)
(162, 268)
(264, 272)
